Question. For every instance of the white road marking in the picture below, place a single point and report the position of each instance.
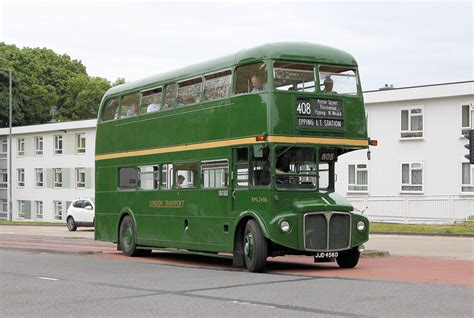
(47, 278)
(250, 304)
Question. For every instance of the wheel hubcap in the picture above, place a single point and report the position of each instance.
(248, 245)
(127, 237)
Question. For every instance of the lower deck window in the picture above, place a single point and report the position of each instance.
(128, 178)
(186, 175)
(215, 174)
(149, 177)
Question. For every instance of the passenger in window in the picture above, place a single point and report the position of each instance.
(133, 110)
(328, 85)
(257, 83)
(153, 107)
(180, 180)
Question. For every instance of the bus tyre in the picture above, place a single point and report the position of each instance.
(127, 240)
(71, 224)
(349, 258)
(255, 247)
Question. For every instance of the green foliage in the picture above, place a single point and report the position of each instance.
(43, 78)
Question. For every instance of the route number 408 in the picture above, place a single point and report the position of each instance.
(304, 108)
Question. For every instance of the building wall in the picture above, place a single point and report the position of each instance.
(441, 150)
(69, 160)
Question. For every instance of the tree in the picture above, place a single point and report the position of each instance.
(42, 79)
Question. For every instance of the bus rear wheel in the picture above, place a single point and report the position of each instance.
(127, 239)
(255, 247)
(348, 259)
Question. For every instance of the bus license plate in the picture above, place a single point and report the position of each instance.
(326, 255)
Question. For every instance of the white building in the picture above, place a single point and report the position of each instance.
(418, 171)
(52, 164)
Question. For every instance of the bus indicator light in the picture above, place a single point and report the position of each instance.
(261, 138)
(373, 142)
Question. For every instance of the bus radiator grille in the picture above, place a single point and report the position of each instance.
(321, 236)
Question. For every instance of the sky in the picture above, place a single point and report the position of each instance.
(404, 43)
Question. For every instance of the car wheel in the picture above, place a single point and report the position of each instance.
(71, 224)
(255, 247)
(127, 239)
(349, 258)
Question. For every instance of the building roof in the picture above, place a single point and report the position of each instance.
(70, 125)
(440, 90)
(291, 51)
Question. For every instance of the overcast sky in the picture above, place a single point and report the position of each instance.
(403, 43)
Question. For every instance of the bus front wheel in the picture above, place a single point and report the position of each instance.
(127, 240)
(348, 259)
(255, 247)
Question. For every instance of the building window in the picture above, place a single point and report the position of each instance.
(358, 178)
(467, 113)
(38, 146)
(467, 177)
(412, 123)
(149, 177)
(58, 177)
(21, 147)
(4, 149)
(412, 177)
(58, 210)
(21, 177)
(80, 178)
(81, 143)
(215, 174)
(3, 179)
(3, 208)
(39, 209)
(58, 145)
(39, 180)
(21, 209)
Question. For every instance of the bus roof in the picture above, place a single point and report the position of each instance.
(290, 51)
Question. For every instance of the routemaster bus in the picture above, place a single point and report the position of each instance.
(235, 155)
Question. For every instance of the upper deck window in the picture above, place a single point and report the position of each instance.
(189, 92)
(111, 109)
(170, 94)
(151, 101)
(217, 85)
(337, 80)
(129, 105)
(251, 78)
(293, 77)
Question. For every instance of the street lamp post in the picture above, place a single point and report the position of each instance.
(10, 177)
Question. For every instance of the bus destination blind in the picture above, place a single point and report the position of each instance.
(319, 113)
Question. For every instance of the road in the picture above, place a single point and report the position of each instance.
(90, 278)
(51, 285)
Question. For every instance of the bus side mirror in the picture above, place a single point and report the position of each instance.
(89, 208)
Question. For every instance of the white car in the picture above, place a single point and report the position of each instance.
(80, 213)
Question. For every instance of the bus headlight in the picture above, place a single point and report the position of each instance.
(285, 226)
(360, 226)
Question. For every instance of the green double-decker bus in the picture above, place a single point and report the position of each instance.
(235, 155)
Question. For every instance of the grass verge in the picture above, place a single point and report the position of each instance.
(461, 228)
(3, 222)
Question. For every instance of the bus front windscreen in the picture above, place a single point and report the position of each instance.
(295, 168)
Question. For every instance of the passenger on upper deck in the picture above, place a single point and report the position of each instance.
(328, 85)
(258, 84)
(133, 110)
(153, 107)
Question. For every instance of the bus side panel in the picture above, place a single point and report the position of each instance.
(106, 207)
(214, 121)
(248, 115)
